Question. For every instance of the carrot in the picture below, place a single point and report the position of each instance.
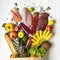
(15, 14)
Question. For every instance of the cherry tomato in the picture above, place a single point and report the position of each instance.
(16, 28)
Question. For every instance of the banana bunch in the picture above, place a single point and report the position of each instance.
(41, 36)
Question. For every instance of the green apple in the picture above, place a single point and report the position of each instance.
(21, 34)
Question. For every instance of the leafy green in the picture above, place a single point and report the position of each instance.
(24, 39)
(48, 8)
(3, 25)
(20, 47)
(7, 33)
(32, 50)
(39, 52)
(22, 50)
(16, 4)
(16, 43)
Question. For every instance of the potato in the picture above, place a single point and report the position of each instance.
(35, 14)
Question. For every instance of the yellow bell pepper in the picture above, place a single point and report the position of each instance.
(9, 27)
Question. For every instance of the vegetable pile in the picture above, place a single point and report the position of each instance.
(29, 38)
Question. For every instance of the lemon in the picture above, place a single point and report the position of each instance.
(21, 34)
(51, 22)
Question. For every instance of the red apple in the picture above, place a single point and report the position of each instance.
(13, 34)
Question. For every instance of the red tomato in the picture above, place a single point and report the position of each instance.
(49, 27)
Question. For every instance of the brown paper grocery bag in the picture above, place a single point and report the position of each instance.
(38, 58)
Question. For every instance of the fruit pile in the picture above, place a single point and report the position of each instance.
(30, 37)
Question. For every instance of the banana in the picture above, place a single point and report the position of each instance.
(40, 37)
(35, 37)
(49, 36)
(41, 32)
(33, 40)
(35, 44)
(37, 34)
(44, 32)
(48, 32)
